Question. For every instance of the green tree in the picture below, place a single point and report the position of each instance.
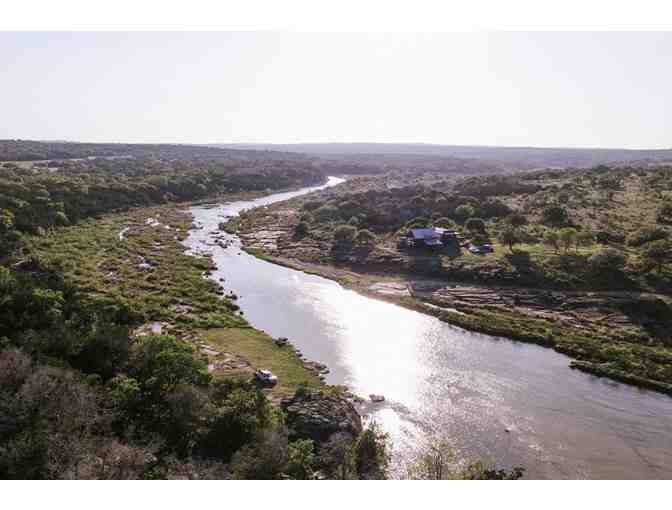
(585, 239)
(567, 237)
(344, 235)
(665, 212)
(464, 211)
(371, 455)
(509, 237)
(301, 230)
(555, 215)
(365, 238)
(516, 220)
(552, 240)
(475, 225)
(301, 460)
(608, 260)
(658, 253)
(444, 222)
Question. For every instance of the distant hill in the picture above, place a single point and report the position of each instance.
(30, 150)
(510, 157)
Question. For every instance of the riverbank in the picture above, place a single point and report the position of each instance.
(139, 255)
(608, 334)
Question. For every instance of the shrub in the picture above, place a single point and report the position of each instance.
(658, 253)
(665, 213)
(444, 222)
(493, 208)
(365, 238)
(648, 234)
(311, 205)
(325, 213)
(609, 260)
(567, 237)
(344, 235)
(508, 237)
(555, 215)
(516, 220)
(417, 222)
(464, 211)
(475, 225)
(606, 236)
(301, 229)
(552, 239)
(370, 454)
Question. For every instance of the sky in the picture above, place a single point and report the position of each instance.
(545, 89)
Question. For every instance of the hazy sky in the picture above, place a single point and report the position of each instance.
(535, 89)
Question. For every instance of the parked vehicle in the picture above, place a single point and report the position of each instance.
(266, 377)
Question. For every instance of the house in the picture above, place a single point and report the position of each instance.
(431, 237)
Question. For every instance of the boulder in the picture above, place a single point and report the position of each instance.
(317, 415)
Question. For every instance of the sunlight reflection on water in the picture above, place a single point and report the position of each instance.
(497, 399)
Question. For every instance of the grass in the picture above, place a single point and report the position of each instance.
(260, 351)
(172, 290)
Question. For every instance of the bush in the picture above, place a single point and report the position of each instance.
(444, 222)
(647, 235)
(555, 215)
(417, 222)
(301, 229)
(509, 237)
(365, 238)
(658, 253)
(609, 260)
(606, 236)
(516, 220)
(493, 208)
(475, 225)
(325, 213)
(344, 235)
(665, 213)
(464, 211)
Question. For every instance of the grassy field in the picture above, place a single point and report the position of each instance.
(259, 350)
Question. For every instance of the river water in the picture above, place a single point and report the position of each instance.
(493, 398)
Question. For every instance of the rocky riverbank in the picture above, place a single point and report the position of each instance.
(613, 334)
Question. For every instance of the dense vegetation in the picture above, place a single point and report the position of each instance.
(36, 199)
(28, 150)
(85, 392)
(599, 229)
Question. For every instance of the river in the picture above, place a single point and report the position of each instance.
(493, 398)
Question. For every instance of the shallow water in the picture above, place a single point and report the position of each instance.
(516, 403)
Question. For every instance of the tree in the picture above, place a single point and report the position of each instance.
(567, 237)
(665, 212)
(444, 222)
(337, 457)
(555, 215)
(365, 238)
(371, 455)
(325, 213)
(552, 239)
(344, 235)
(609, 260)
(658, 253)
(516, 220)
(475, 225)
(301, 229)
(509, 237)
(464, 211)
(301, 462)
(584, 238)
